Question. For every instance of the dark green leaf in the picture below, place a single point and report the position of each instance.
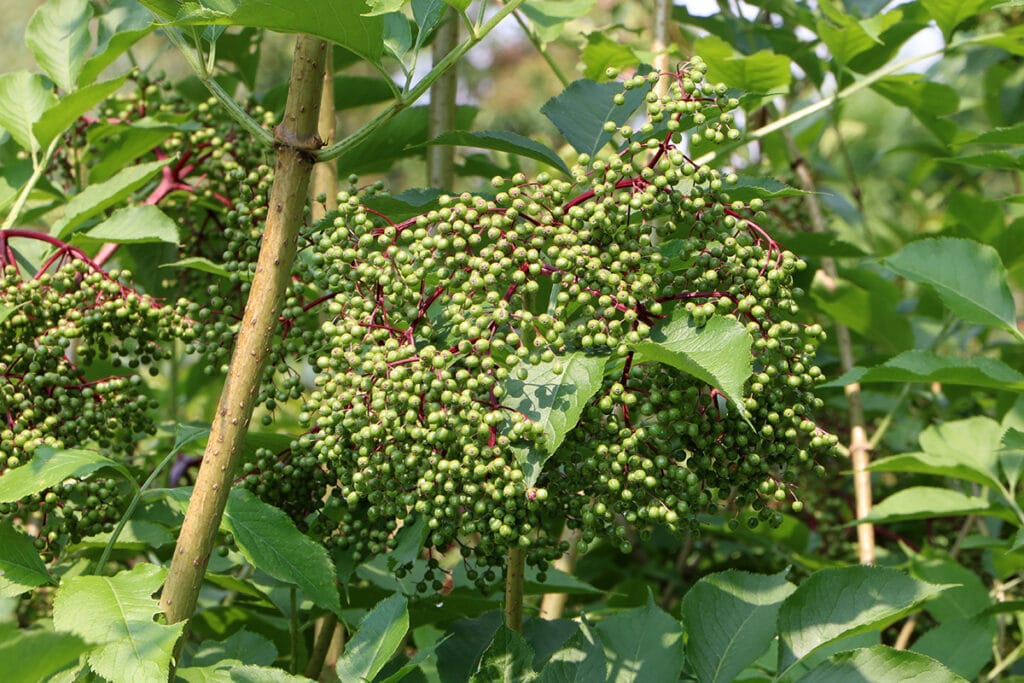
(60, 116)
(968, 276)
(508, 659)
(37, 653)
(21, 568)
(642, 644)
(269, 540)
(553, 394)
(98, 197)
(925, 366)
(135, 225)
(376, 641)
(833, 603)
(865, 303)
(580, 112)
(925, 502)
(116, 614)
(880, 664)
(964, 646)
(717, 353)
(459, 656)
(750, 187)
(967, 595)
(58, 35)
(23, 99)
(242, 646)
(730, 621)
(581, 660)
(503, 142)
(199, 263)
(122, 24)
(428, 15)
(49, 467)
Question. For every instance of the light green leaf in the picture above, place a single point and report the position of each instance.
(135, 225)
(926, 366)
(759, 73)
(581, 110)
(269, 539)
(968, 276)
(23, 99)
(549, 16)
(36, 653)
(730, 621)
(925, 502)
(949, 14)
(58, 35)
(230, 671)
(116, 614)
(60, 116)
(376, 641)
(749, 187)
(999, 160)
(834, 603)
(1010, 135)
(121, 25)
(508, 659)
(553, 394)
(21, 568)
(383, 7)
(503, 142)
(97, 198)
(49, 467)
(199, 263)
(880, 664)
(846, 37)
(601, 53)
(642, 644)
(717, 353)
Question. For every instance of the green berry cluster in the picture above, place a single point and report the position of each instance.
(432, 319)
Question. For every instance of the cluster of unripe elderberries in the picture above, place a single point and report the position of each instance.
(439, 324)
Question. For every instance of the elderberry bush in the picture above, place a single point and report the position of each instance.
(503, 365)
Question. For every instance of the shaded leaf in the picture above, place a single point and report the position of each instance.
(580, 112)
(49, 467)
(503, 142)
(116, 614)
(37, 653)
(730, 621)
(199, 263)
(135, 225)
(866, 303)
(750, 187)
(552, 394)
(508, 659)
(581, 660)
(642, 644)
(926, 366)
(964, 646)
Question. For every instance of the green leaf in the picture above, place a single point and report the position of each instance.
(759, 73)
(376, 641)
(21, 568)
(508, 659)
(642, 644)
(344, 23)
(37, 653)
(581, 660)
(601, 53)
(926, 366)
(1009, 135)
(833, 603)
(549, 16)
(717, 353)
(122, 24)
(964, 646)
(242, 646)
(116, 614)
(238, 673)
(459, 656)
(123, 143)
(925, 502)
(967, 595)
(421, 656)
(383, 7)
(928, 101)
(998, 160)
(968, 276)
(750, 187)
(59, 117)
(269, 539)
(846, 37)
(880, 664)
(865, 302)
(503, 142)
(730, 621)
(98, 197)
(49, 467)
(202, 264)
(23, 99)
(553, 394)
(58, 35)
(949, 14)
(135, 225)
(581, 110)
